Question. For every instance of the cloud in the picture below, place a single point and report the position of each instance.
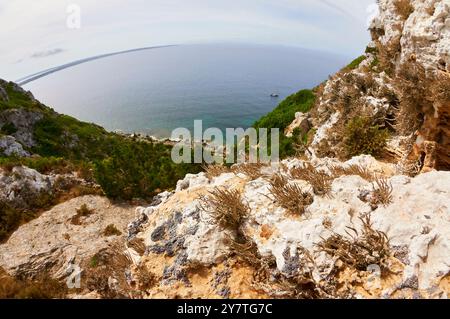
(335, 7)
(44, 54)
(38, 27)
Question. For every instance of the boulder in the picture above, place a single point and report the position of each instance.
(24, 121)
(416, 223)
(3, 95)
(9, 146)
(302, 122)
(54, 241)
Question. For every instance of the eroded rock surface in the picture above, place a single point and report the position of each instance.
(56, 240)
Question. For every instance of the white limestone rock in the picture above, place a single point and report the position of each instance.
(52, 242)
(9, 146)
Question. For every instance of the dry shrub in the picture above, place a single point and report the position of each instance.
(404, 8)
(359, 250)
(382, 193)
(212, 171)
(145, 279)
(111, 230)
(412, 82)
(252, 170)
(138, 245)
(352, 169)
(327, 223)
(290, 196)
(108, 263)
(227, 208)
(319, 180)
(388, 53)
(245, 249)
(43, 287)
(83, 211)
(299, 283)
(425, 108)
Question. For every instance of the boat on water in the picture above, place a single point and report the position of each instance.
(274, 95)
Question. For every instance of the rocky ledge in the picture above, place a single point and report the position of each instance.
(359, 233)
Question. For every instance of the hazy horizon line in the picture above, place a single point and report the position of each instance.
(37, 75)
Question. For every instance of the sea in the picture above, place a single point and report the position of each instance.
(156, 90)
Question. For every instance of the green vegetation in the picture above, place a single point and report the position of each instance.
(355, 63)
(124, 168)
(284, 113)
(139, 169)
(63, 136)
(93, 263)
(361, 136)
(18, 99)
(372, 50)
(46, 165)
(10, 219)
(8, 129)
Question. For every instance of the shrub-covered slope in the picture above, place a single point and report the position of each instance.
(56, 145)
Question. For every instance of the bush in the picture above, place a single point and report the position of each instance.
(41, 288)
(18, 99)
(362, 137)
(284, 113)
(43, 165)
(290, 196)
(111, 230)
(320, 181)
(10, 219)
(8, 129)
(355, 63)
(227, 208)
(139, 170)
(125, 168)
(83, 211)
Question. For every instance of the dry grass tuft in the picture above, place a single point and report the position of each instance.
(298, 283)
(353, 169)
(252, 170)
(382, 193)
(327, 223)
(246, 250)
(145, 279)
(290, 196)
(301, 284)
(108, 263)
(111, 230)
(212, 171)
(40, 288)
(138, 245)
(404, 8)
(359, 249)
(83, 211)
(226, 207)
(320, 181)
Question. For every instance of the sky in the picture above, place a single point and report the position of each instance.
(38, 34)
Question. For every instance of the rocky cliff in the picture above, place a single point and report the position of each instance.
(401, 85)
(329, 224)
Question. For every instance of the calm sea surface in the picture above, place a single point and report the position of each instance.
(156, 90)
